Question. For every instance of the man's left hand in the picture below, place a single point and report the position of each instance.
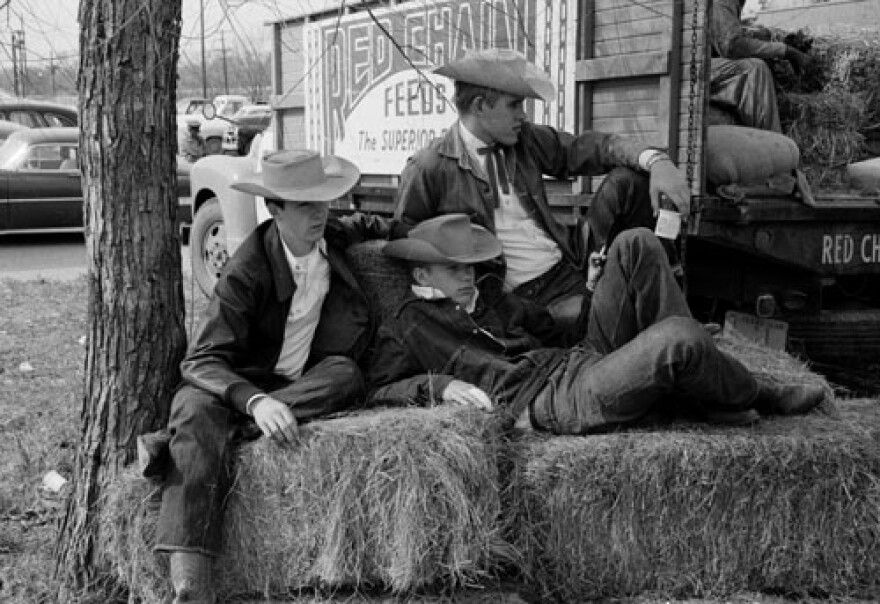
(666, 179)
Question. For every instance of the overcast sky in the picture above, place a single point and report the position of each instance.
(51, 28)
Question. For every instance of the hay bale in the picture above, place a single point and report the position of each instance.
(790, 505)
(385, 279)
(398, 499)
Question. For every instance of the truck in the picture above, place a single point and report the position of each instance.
(797, 268)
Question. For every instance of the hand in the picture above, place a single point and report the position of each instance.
(799, 60)
(668, 180)
(462, 393)
(595, 268)
(276, 420)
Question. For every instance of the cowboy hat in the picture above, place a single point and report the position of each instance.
(502, 69)
(450, 238)
(301, 175)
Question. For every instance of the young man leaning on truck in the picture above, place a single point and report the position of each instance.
(491, 164)
(279, 344)
(455, 340)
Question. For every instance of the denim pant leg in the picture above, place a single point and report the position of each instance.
(675, 356)
(199, 477)
(333, 384)
(636, 291)
(623, 201)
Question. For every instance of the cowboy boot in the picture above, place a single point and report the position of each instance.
(787, 399)
(191, 578)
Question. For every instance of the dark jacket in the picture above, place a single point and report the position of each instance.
(441, 179)
(730, 41)
(239, 340)
(498, 348)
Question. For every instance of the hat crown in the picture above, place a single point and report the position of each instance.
(301, 167)
(451, 235)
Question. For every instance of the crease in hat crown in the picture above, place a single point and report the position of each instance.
(301, 175)
(446, 238)
(503, 69)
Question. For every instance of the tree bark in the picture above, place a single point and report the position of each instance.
(136, 336)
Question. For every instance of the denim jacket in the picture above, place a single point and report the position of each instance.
(498, 348)
(441, 179)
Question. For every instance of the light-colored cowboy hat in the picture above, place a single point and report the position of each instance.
(502, 69)
(445, 239)
(301, 175)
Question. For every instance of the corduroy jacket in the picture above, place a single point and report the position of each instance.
(441, 179)
(239, 340)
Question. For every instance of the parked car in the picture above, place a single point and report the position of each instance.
(212, 129)
(246, 124)
(37, 114)
(40, 188)
(7, 128)
(191, 105)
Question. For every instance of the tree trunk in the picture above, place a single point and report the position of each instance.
(136, 337)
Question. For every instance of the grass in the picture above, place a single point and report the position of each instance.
(43, 326)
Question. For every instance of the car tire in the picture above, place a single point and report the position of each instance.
(208, 245)
(213, 146)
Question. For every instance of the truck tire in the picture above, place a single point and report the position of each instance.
(208, 245)
(214, 146)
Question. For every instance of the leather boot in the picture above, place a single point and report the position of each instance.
(787, 399)
(191, 578)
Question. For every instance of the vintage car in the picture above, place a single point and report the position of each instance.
(244, 126)
(37, 114)
(40, 188)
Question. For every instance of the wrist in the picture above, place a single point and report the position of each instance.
(252, 402)
(650, 157)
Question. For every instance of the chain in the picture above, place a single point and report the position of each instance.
(691, 141)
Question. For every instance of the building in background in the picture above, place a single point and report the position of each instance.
(820, 16)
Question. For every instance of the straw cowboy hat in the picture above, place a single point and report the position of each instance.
(301, 175)
(501, 69)
(445, 239)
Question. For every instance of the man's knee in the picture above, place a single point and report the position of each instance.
(621, 185)
(640, 241)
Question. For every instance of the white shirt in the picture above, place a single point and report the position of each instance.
(528, 251)
(311, 273)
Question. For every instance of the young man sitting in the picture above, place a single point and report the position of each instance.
(472, 344)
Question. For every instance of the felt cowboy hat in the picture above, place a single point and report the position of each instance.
(450, 238)
(502, 69)
(301, 175)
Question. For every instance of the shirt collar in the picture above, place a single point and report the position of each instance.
(470, 140)
(299, 264)
(431, 293)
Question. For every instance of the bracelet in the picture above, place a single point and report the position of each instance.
(657, 157)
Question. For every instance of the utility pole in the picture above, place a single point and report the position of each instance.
(22, 56)
(204, 66)
(225, 71)
(15, 62)
(52, 69)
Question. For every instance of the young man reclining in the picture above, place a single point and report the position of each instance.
(472, 344)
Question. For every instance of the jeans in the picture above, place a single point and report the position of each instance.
(204, 434)
(746, 86)
(641, 346)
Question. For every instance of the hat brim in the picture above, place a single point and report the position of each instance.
(486, 247)
(341, 175)
(523, 79)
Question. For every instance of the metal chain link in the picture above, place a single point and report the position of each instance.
(691, 142)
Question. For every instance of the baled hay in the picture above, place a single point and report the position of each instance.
(386, 279)
(398, 499)
(790, 506)
(825, 126)
(774, 365)
(128, 532)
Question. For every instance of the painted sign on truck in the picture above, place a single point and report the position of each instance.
(371, 96)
